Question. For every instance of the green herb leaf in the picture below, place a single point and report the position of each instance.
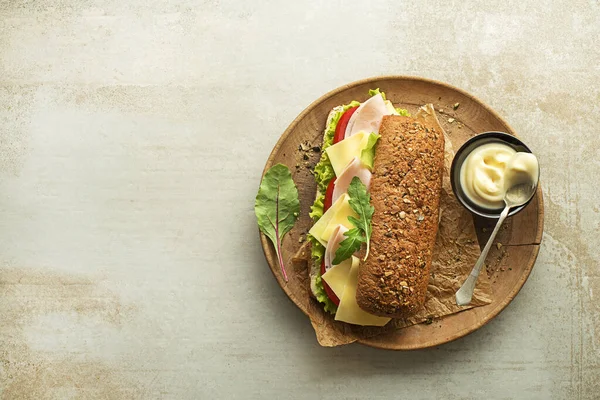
(368, 154)
(354, 239)
(277, 207)
(360, 202)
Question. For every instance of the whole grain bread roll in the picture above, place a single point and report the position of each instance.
(405, 191)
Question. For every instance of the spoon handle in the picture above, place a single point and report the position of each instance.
(465, 293)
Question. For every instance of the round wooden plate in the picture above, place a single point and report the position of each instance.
(462, 116)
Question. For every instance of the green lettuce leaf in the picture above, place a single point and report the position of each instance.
(316, 210)
(368, 154)
(323, 171)
(322, 297)
(402, 112)
(317, 252)
(374, 92)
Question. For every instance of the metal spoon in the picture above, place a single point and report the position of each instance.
(515, 196)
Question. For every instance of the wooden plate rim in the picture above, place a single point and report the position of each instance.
(500, 305)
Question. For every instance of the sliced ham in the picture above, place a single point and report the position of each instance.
(334, 243)
(354, 168)
(368, 116)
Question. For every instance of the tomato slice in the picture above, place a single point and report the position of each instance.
(340, 129)
(326, 205)
(328, 290)
(328, 195)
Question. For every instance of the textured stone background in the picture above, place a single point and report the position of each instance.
(132, 138)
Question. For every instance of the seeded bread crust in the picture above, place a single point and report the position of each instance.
(405, 191)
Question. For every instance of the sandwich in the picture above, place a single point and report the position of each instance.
(376, 211)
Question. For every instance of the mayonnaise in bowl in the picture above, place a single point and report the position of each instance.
(521, 168)
(491, 169)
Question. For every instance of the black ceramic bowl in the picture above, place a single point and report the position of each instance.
(461, 155)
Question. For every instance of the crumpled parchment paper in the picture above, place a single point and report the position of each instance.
(456, 251)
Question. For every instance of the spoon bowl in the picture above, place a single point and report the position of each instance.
(519, 194)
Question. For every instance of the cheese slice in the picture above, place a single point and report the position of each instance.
(348, 310)
(339, 218)
(344, 151)
(337, 276)
(317, 230)
(390, 107)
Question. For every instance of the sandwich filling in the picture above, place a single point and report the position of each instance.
(349, 143)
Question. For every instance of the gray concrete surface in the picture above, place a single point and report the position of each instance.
(133, 134)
